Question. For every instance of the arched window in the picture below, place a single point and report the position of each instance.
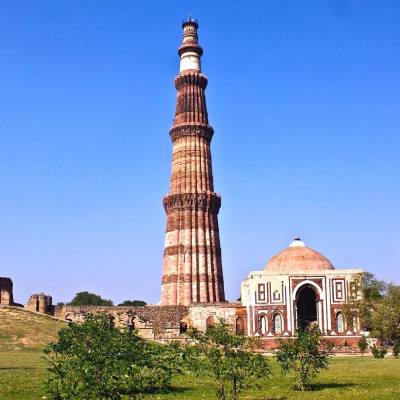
(210, 323)
(339, 323)
(239, 326)
(277, 324)
(263, 324)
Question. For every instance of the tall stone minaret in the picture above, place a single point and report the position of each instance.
(192, 256)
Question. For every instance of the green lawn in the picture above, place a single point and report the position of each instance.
(22, 374)
(23, 370)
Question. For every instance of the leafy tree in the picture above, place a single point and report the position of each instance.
(228, 358)
(369, 292)
(89, 299)
(95, 360)
(303, 356)
(133, 303)
(362, 344)
(385, 319)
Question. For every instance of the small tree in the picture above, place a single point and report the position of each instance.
(228, 358)
(363, 344)
(95, 360)
(89, 299)
(303, 357)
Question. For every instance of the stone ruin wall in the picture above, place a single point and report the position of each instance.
(161, 323)
(152, 322)
(6, 292)
(41, 302)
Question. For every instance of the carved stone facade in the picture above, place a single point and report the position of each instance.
(192, 270)
(6, 292)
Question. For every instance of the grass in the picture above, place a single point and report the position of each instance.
(23, 370)
(25, 330)
(23, 335)
(22, 376)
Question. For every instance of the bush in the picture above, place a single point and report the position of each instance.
(94, 360)
(132, 303)
(303, 357)
(378, 351)
(228, 358)
(363, 344)
(396, 349)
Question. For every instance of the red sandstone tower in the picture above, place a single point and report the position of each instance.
(192, 256)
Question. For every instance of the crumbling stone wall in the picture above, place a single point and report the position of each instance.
(152, 322)
(41, 302)
(6, 292)
(159, 322)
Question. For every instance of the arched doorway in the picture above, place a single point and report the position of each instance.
(306, 307)
(239, 326)
(262, 325)
(210, 323)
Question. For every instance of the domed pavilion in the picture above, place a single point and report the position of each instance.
(299, 286)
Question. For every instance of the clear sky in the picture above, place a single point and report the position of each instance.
(304, 99)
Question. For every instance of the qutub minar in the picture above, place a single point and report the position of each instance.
(297, 286)
(192, 255)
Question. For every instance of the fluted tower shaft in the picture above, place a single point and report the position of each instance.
(192, 270)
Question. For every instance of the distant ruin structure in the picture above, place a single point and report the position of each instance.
(41, 302)
(6, 292)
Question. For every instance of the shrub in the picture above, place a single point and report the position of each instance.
(303, 356)
(396, 349)
(362, 344)
(228, 358)
(378, 351)
(94, 360)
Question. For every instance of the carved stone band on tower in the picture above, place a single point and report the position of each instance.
(192, 270)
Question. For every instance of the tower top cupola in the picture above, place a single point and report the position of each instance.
(190, 51)
(190, 21)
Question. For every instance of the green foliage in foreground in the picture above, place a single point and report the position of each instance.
(23, 373)
(229, 359)
(89, 299)
(303, 357)
(94, 360)
(378, 351)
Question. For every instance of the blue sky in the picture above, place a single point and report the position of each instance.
(304, 100)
